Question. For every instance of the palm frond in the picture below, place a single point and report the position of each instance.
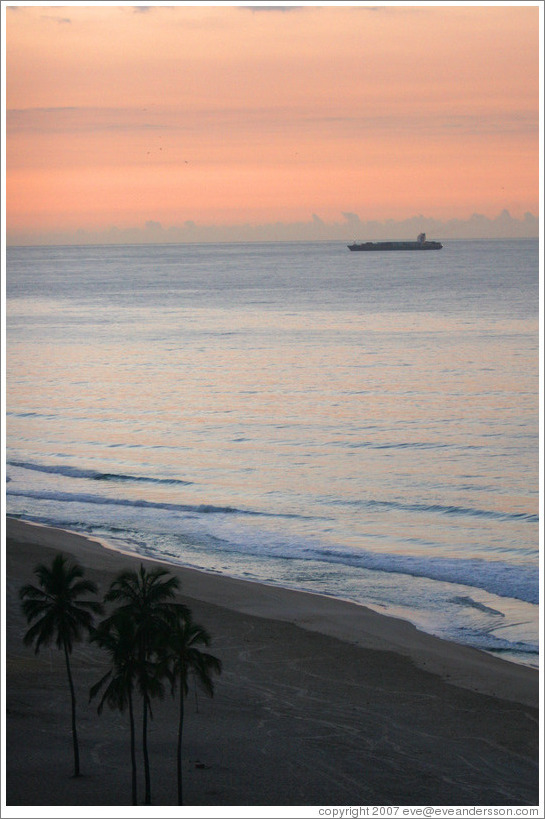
(185, 656)
(42, 632)
(93, 691)
(83, 587)
(62, 615)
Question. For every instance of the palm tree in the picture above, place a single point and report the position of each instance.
(185, 657)
(147, 598)
(117, 636)
(60, 615)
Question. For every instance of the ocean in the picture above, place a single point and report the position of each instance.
(358, 425)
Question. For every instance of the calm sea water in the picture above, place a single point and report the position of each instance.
(358, 425)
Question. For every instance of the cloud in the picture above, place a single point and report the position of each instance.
(477, 226)
(71, 119)
(275, 118)
(54, 19)
(153, 227)
(272, 8)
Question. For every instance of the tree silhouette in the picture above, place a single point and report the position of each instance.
(57, 613)
(147, 598)
(185, 657)
(117, 636)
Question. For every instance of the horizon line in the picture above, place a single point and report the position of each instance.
(476, 226)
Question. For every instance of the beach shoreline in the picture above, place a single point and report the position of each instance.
(313, 688)
(344, 620)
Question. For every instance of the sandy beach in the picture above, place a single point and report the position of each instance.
(321, 702)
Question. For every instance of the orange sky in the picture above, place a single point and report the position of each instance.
(229, 115)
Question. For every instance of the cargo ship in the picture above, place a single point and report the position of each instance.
(421, 244)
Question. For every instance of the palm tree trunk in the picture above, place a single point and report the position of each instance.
(133, 750)
(179, 757)
(73, 698)
(147, 800)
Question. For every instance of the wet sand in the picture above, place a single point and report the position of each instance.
(321, 702)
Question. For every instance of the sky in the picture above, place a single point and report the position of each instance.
(149, 121)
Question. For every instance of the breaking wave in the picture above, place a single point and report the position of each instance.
(202, 508)
(93, 475)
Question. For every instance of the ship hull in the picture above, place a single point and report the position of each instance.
(370, 246)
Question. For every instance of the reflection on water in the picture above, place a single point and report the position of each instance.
(377, 417)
